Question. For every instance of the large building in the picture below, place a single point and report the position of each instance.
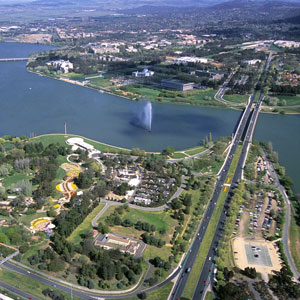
(112, 241)
(144, 73)
(178, 85)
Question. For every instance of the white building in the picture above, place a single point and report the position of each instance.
(144, 73)
(252, 61)
(76, 143)
(190, 59)
(63, 65)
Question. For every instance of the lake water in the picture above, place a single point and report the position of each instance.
(34, 104)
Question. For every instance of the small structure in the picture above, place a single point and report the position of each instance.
(79, 143)
(144, 73)
(112, 241)
(178, 85)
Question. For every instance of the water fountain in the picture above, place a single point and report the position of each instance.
(147, 116)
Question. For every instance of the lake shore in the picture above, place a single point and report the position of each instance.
(281, 110)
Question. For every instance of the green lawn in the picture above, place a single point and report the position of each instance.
(209, 296)
(195, 150)
(236, 98)
(290, 100)
(177, 155)
(295, 242)
(148, 93)
(75, 237)
(99, 82)
(13, 179)
(61, 139)
(161, 219)
(28, 285)
(26, 219)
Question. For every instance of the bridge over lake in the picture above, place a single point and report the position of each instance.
(14, 59)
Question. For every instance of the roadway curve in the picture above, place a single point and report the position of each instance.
(288, 216)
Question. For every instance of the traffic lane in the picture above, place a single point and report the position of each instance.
(17, 292)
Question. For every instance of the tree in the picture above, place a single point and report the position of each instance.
(169, 150)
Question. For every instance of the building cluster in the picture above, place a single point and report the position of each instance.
(291, 79)
(153, 188)
(287, 44)
(106, 47)
(62, 65)
(128, 174)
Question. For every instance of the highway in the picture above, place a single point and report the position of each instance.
(251, 122)
(181, 282)
(207, 267)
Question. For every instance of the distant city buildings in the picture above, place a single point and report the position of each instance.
(287, 44)
(178, 85)
(144, 73)
(63, 65)
(191, 59)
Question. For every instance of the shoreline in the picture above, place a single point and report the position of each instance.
(101, 90)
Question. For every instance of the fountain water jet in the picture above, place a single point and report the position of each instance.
(147, 116)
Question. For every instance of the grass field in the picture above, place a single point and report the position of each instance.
(205, 245)
(26, 219)
(75, 237)
(209, 296)
(236, 98)
(61, 139)
(195, 150)
(290, 100)
(177, 155)
(28, 285)
(13, 179)
(295, 242)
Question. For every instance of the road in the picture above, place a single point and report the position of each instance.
(251, 119)
(181, 282)
(220, 93)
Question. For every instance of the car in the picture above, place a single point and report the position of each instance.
(188, 270)
(209, 258)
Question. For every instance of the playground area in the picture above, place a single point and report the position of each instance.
(67, 187)
(42, 225)
(259, 254)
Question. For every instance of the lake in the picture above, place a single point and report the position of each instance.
(32, 104)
